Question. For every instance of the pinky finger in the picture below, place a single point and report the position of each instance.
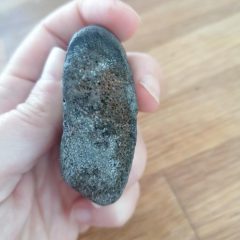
(114, 215)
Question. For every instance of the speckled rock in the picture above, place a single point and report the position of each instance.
(100, 109)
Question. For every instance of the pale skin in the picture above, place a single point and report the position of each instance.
(35, 203)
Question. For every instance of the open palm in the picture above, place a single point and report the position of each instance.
(35, 203)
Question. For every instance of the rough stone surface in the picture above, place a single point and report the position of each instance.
(100, 109)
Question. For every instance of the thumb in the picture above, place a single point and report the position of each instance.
(28, 131)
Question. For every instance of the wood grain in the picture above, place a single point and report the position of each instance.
(211, 200)
(191, 187)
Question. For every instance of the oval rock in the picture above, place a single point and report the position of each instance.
(99, 116)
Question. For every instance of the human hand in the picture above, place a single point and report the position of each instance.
(35, 203)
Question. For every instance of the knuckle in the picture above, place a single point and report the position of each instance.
(36, 108)
(31, 112)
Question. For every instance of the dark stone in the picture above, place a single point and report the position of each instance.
(100, 110)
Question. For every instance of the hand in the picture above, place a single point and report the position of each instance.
(35, 203)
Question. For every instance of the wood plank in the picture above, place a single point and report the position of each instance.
(167, 20)
(208, 186)
(193, 121)
(201, 54)
(158, 216)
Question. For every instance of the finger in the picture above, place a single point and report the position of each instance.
(111, 16)
(139, 161)
(33, 125)
(114, 215)
(11, 93)
(147, 77)
(58, 28)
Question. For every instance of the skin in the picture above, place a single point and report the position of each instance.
(35, 203)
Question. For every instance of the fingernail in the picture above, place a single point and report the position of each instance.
(82, 215)
(150, 84)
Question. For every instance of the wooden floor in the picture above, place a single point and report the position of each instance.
(191, 187)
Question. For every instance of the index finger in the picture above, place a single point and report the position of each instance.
(57, 29)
